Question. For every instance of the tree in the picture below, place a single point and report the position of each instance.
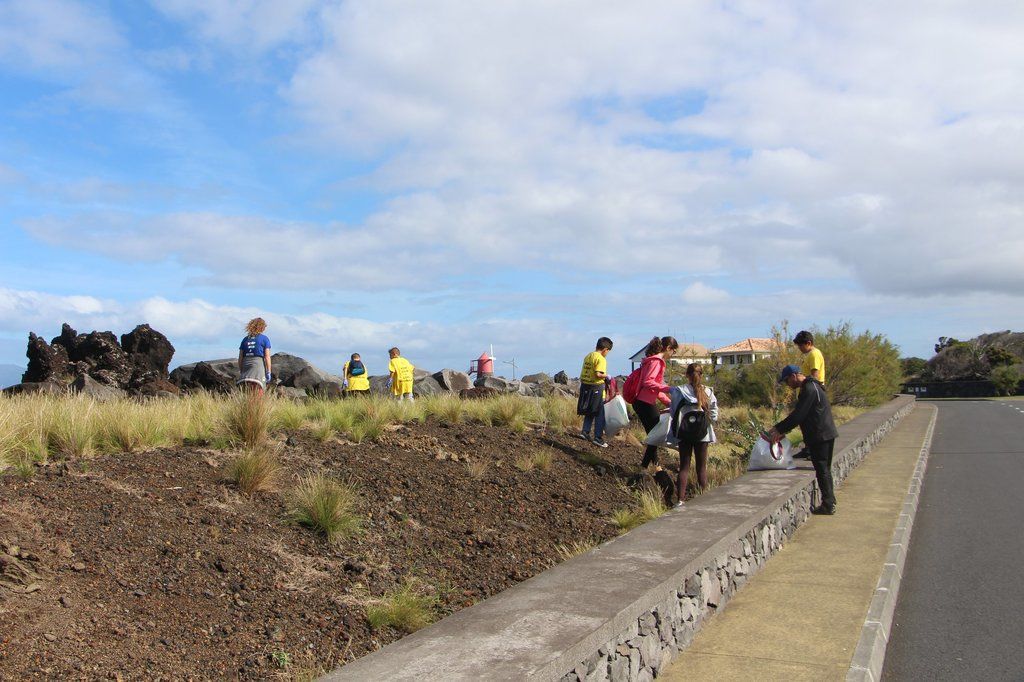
(860, 369)
(1005, 378)
(913, 367)
(945, 342)
(997, 356)
(961, 361)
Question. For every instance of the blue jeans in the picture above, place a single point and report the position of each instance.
(595, 420)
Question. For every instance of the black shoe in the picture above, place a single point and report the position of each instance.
(824, 510)
(803, 454)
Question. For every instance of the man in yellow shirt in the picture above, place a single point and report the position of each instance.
(591, 402)
(814, 362)
(401, 375)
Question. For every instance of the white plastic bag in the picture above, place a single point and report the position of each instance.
(765, 455)
(660, 434)
(615, 416)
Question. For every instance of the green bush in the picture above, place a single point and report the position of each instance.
(1005, 378)
(861, 369)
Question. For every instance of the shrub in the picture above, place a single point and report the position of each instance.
(325, 505)
(860, 369)
(254, 471)
(402, 609)
(1005, 378)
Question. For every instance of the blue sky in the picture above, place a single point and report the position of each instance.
(444, 176)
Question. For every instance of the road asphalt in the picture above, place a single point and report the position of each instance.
(959, 614)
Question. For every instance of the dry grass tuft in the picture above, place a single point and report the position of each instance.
(559, 413)
(325, 505)
(254, 471)
(647, 505)
(543, 458)
(574, 549)
(323, 430)
(402, 609)
(477, 469)
(247, 418)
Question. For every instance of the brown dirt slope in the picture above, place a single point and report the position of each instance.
(151, 566)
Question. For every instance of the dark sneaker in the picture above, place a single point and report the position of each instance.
(584, 436)
(824, 510)
(599, 443)
(803, 454)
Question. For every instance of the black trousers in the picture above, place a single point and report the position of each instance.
(649, 417)
(821, 458)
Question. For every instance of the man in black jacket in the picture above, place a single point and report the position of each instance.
(813, 414)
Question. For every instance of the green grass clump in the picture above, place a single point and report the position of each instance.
(402, 609)
(508, 410)
(449, 409)
(325, 505)
(254, 471)
(647, 505)
(247, 418)
(72, 431)
(289, 414)
(323, 430)
(559, 412)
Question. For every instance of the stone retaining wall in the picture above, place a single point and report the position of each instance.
(623, 610)
(654, 639)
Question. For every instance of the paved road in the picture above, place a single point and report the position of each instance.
(960, 614)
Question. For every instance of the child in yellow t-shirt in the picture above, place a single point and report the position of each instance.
(591, 401)
(356, 378)
(401, 375)
(813, 364)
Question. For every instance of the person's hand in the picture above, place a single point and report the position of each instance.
(774, 436)
(269, 377)
(344, 385)
(390, 382)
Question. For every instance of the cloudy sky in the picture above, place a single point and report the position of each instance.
(447, 175)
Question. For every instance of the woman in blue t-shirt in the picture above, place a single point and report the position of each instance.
(254, 356)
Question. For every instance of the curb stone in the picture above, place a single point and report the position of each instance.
(869, 656)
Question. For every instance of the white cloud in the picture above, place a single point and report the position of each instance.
(483, 104)
(249, 24)
(701, 294)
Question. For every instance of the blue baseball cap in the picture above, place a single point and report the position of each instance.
(787, 372)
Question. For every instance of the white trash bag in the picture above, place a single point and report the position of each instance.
(660, 435)
(616, 417)
(765, 455)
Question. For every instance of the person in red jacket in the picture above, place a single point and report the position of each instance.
(653, 389)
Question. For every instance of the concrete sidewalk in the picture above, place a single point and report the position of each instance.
(801, 616)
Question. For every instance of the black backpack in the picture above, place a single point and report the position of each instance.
(691, 426)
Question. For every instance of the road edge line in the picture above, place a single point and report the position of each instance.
(869, 656)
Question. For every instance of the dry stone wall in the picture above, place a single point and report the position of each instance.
(648, 644)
